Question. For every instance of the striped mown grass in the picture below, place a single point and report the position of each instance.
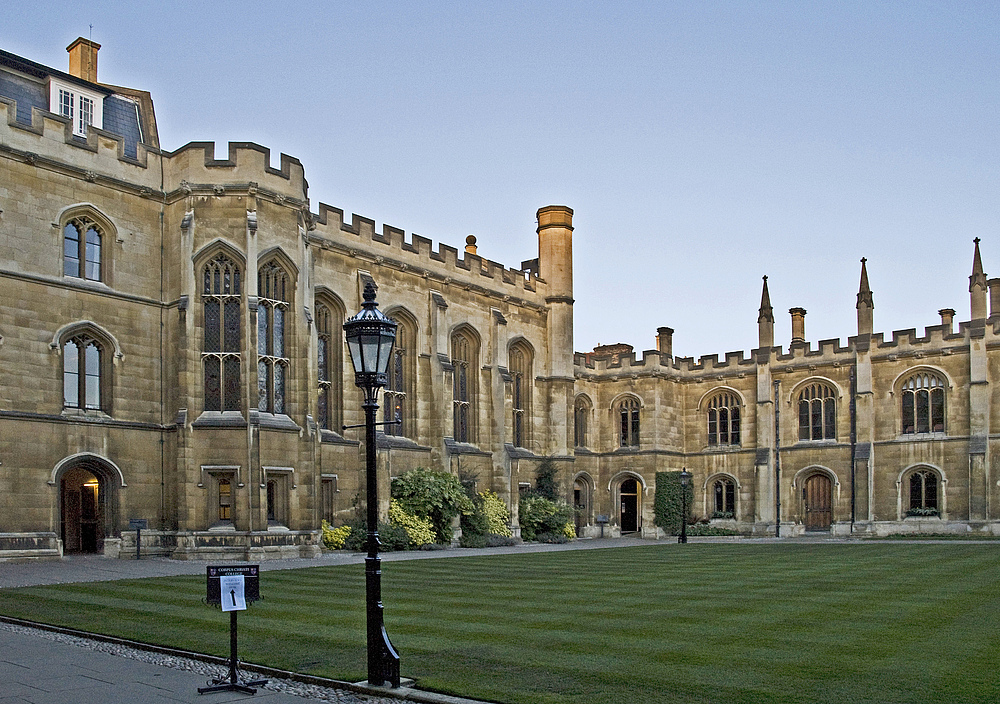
(753, 624)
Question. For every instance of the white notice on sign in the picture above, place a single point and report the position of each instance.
(233, 597)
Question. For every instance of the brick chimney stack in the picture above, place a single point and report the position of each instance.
(83, 59)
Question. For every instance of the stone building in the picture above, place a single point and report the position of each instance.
(171, 350)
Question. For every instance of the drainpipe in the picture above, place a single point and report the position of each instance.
(777, 462)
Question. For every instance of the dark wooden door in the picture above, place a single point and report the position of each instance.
(816, 495)
(630, 506)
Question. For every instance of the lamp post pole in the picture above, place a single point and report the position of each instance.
(685, 481)
(370, 336)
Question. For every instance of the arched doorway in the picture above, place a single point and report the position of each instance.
(629, 493)
(581, 504)
(817, 502)
(88, 512)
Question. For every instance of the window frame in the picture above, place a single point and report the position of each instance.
(629, 422)
(519, 363)
(83, 340)
(817, 412)
(221, 287)
(273, 339)
(464, 362)
(71, 109)
(724, 419)
(923, 403)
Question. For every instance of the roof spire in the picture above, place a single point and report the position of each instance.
(978, 285)
(864, 290)
(766, 313)
(866, 321)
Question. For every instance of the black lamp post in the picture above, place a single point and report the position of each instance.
(685, 481)
(370, 336)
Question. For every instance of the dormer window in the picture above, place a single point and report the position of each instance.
(82, 107)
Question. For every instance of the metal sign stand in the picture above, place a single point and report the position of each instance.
(232, 587)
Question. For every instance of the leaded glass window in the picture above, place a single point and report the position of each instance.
(82, 249)
(628, 428)
(520, 373)
(923, 493)
(463, 360)
(221, 301)
(724, 498)
(724, 420)
(581, 413)
(272, 359)
(817, 413)
(82, 373)
(923, 404)
(395, 391)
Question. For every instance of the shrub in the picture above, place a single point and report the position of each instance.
(667, 502)
(496, 513)
(335, 538)
(923, 511)
(539, 516)
(436, 495)
(499, 541)
(704, 529)
(419, 531)
(472, 540)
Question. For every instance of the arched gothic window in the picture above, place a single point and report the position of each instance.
(923, 485)
(581, 416)
(82, 240)
(395, 391)
(723, 498)
(923, 404)
(272, 355)
(327, 368)
(519, 366)
(628, 422)
(464, 360)
(724, 419)
(220, 295)
(82, 373)
(817, 413)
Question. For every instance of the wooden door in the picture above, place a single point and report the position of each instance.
(629, 506)
(816, 496)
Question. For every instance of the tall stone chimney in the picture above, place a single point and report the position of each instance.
(470, 244)
(798, 324)
(994, 286)
(665, 341)
(83, 59)
(947, 316)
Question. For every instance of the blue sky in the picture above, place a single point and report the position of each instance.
(701, 144)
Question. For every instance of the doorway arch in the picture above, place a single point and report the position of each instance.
(629, 493)
(817, 502)
(88, 504)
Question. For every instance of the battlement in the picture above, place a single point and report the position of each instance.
(100, 153)
(248, 164)
(391, 247)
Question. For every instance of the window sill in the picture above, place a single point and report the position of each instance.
(82, 414)
(333, 438)
(223, 527)
(723, 448)
(275, 421)
(813, 443)
(910, 437)
(220, 419)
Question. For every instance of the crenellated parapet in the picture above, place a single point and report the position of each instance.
(193, 168)
(360, 239)
(49, 142)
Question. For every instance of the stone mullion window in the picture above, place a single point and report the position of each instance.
(462, 391)
(221, 354)
(272, 357)
(518, 395)
(82, 358)
(817, 413)
(82, 250)
(323, 361)
(724, 420)
(724, 504)
(580, 413)
(923, 491)
(395, 394)
(922, 408)
(628, 416)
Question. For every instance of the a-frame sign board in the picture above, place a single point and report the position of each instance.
(233, 587)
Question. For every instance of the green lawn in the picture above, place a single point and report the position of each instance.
(721, 623)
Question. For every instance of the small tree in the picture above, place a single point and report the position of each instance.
(545, 480)
(438, 496)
